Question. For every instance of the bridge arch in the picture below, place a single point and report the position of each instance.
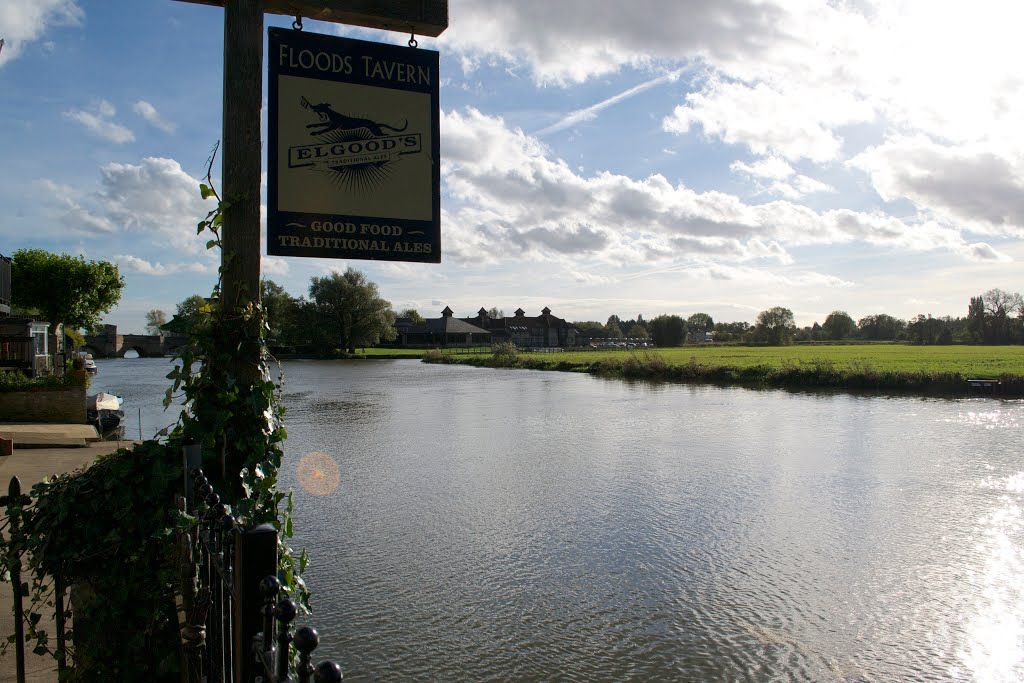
(139, 350)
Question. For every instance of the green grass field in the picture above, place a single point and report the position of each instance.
(970, 361)
(935, 370)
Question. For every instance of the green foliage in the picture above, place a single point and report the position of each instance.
(63, 288)
(667, 330)
(411, 314)
(14, 380)
(590, 329)
(775, 326)
(839, 325)
(504, 353)
(108, 532)
(237, 419)
(881, 327)
(888, 367)
(189, 313)
(349, 311)
(155, 319)
(282, 313)
(700, 322)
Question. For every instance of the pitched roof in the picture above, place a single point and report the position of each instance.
(444, 325)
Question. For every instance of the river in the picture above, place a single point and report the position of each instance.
(511, 524)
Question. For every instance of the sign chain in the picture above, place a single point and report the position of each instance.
(412, 40)
(297, 24)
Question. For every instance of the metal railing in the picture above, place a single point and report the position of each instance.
(238, 625)
(15, 506)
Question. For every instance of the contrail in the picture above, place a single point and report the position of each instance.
(590, 112)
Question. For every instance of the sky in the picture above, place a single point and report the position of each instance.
(597, 157)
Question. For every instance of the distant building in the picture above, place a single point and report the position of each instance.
(542, 331)
(444, 331)
(701, 337)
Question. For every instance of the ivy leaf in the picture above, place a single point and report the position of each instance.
(205, 190)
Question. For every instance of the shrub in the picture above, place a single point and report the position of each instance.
(108, 532)
(504, 353)
(14, 380)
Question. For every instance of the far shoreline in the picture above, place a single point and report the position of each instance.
(914, 372)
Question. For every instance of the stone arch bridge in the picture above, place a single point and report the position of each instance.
(110, 344)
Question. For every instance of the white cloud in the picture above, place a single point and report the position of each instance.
(157, 199)
(139, 265)
(23, 21)
(272, 265)
(785, 181)
(99, 121)
(980, 186)
(794, 125)
(770, 167)
(153, 203)
(571, 41)
(150, 114)
(515, 199)
(63, 203)
(779, 77)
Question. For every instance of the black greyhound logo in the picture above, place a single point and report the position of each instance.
(331, 120)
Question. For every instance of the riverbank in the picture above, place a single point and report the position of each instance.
(897, 368)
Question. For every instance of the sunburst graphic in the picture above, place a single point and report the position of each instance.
(360, 178)
(318, 474)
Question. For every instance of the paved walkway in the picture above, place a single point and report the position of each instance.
(32, 465)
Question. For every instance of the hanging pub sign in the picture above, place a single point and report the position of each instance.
(354, 149)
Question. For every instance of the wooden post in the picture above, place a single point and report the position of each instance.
(241, 163)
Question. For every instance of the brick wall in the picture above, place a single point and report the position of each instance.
(66, 406)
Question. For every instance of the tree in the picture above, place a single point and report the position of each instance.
(63, 288)
(976, 319)
(349, 311)
(283, 318)
(998, 307)
(413, 315)
(612, 329)
(154, 319)
(495, 313)
(881, 327)
(775, 325)
(667, 330)
(590, 328)
(839, 325)
(188, 313)
(700, 322)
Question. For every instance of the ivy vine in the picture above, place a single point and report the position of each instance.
(110, 530)
(237, 422)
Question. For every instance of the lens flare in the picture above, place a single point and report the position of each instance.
(318, 474)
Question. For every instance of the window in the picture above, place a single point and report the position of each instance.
(38, 333)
